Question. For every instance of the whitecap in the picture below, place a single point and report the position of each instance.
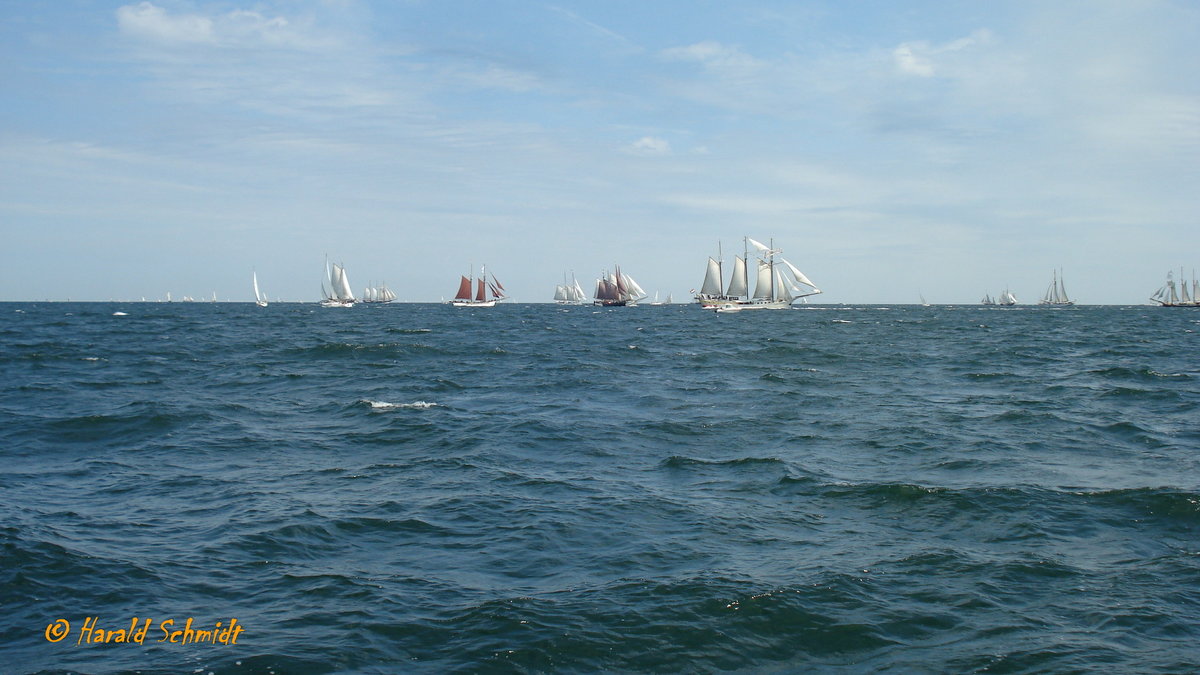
(384, 405)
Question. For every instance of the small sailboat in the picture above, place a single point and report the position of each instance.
(482, 289)
(1007, 299)
(259, 298)
(338, 294)
(614, 289)
(1056, 294)
(923, 302)
(569, 294)
(656, 303)
(778, 283)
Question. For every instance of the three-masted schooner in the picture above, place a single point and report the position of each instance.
(1172, 295)
(569, 294)
(1056, 294)
(778, 282)
(614, 289)
(338, 294)
(483, 288)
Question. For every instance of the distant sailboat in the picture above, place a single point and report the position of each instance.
(987, 300)
(1170, 295)
(1007, 299)
(259, 298)
(569, 294)
(1056, 294)
(923, 303)
(378, 294)
(656, 303)
(614, 289)
(338, 294)
(778, 282)
(482, 288)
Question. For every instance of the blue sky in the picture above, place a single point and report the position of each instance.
(889, 148)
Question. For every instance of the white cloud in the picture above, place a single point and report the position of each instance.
(148, 21)
(237, 28)
(920, 58)
(712, 54)
(650, 146)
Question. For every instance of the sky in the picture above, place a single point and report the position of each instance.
(890, 149)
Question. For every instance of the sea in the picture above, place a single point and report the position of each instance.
(418, 488)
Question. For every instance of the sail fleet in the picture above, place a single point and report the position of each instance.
(778, 284)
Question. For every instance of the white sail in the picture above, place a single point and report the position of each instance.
(761, 248)
(762, 287)
(782, 290)
(577, 291)
(737, 283)
(341, 284)
(797, 273)
(259, 299)
(712, 278)
(635, 291)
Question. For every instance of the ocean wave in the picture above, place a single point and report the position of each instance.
(680, 462)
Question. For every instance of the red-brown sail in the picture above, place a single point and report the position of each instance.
(464, 289)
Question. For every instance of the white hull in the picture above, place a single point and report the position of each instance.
(473, 303)
(743, 305)
(337, 303)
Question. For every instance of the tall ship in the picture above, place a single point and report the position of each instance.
(614, 289)
(378, 294)
(488, 291)
(1172, 295)
(778, 282)
(569, 294)
(1056, 294)
(1007, 299)
(338, 294)
(987, 300)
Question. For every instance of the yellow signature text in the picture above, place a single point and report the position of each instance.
(90, 631)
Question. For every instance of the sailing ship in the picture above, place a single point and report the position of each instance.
(259, 298)
(656, 303)
(987, 300)
(778, 282)
(569, 294)
(378, 294)
(1170, 295)
(1056, 294)
(338, 294)
(482, 289)
(1007, 299)
(614, 289)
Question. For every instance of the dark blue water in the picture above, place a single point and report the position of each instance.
(419, 488)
